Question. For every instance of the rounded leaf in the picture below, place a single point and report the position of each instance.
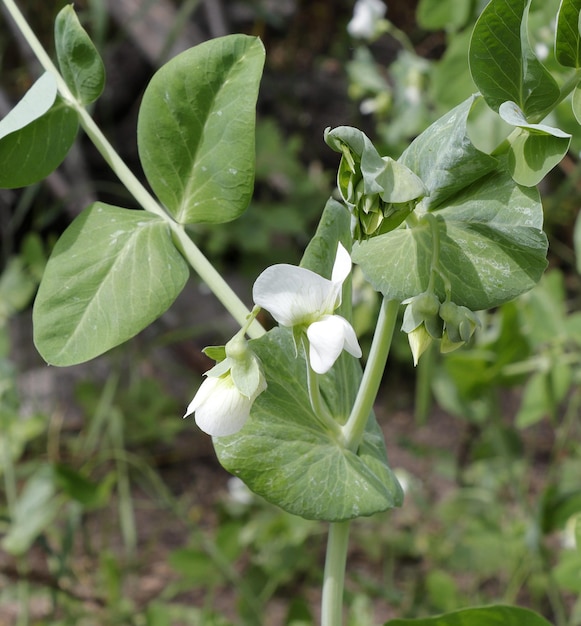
(196, 128)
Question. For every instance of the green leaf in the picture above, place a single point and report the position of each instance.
(34, 511)
(195, 129)
(36, 135)
(480, 616)
(567, 36)
(532, 156)
(502, 63)
(284, 455)
(444, 157)
(34, 104)
(492, 247)
(112, 272)
(79, 61)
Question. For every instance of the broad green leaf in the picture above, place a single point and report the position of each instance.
(444, 158)
(35, 136)
(502, 62)
(492, 247)
(567, 36)
(532, 156)
(112, 272)
(79, 61)
(284, 455)
(34, 104)
(35, 510)
(479, 616)
(195, 129)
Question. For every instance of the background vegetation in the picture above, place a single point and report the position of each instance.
(114, 511)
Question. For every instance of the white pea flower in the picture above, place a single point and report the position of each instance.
(222, 403)
(297, 297)
(220, 408)
(364, 23)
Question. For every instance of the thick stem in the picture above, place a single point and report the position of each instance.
(355, 425)
(334, 575)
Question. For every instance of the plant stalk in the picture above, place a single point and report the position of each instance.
(334, 574)
(355, 425)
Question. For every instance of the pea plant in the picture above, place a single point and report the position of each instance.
(454, 226)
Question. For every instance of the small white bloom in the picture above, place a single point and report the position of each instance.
(296, 296)
(220, 409)
(366, 13)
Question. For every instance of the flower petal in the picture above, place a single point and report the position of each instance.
(220, 409)
(328, 337)
(342, 265)
(293, 295)
(351, 344)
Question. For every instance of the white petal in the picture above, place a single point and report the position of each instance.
(293, 295)
(220, 409)
(326, 343)
(351, 344)
(342, 265)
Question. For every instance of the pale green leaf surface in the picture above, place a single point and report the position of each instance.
(112, 272)
(492, 247)
(444, 157)
(532, 155)
(511, 114)
(502, 64)
(285, 455)
(34, 104)
(577, 242)
(567, 36)
(79, 61)
(196, 127)
(33, 152)
(498, 615)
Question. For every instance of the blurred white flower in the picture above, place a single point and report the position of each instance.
(297, 297)
(239, 492)
(366, 14)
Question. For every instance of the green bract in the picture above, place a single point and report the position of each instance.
(379, 191)
(195, 129)
(112, 273)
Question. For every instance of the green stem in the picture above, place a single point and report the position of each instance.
(194, 256)
(355, 425)
(334, 575)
